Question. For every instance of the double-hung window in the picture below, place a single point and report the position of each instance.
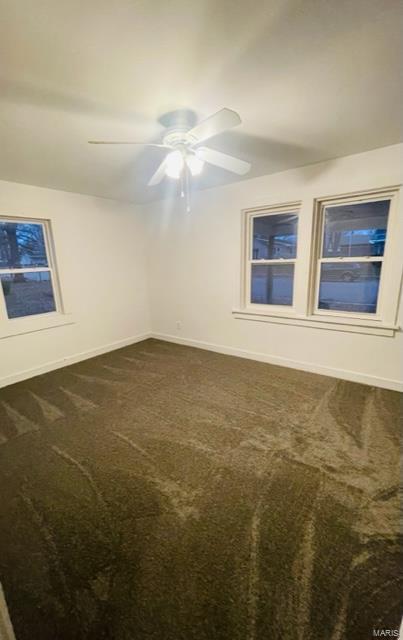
(357, 259)
(28, 284)
(272, 254)
(333, 262)
(352, 251)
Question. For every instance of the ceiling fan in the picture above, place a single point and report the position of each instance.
(184, 153)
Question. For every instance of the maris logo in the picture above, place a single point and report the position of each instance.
(385, 633)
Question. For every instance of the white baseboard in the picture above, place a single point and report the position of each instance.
(64, 362)
(6, 628)
(344, 374)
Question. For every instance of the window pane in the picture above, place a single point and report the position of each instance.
(27, 294)
(349, 286)
(272, 283)
(22, 245)
(275, 236)
(356, 229)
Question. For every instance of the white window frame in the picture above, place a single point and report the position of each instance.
(322, 206)
(35, 322)
(305, 311)
(248, 260)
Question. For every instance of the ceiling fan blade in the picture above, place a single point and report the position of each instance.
(142, 144)
(159, 175)
(230, 163)
(217, 123)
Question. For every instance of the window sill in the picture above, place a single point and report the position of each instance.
(353, 325)
(30, 324)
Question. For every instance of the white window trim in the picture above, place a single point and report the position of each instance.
(248, 260)
(37, 322)
(304, 311)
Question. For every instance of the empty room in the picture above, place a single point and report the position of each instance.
(201, 351)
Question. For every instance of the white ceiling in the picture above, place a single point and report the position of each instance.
(311, 79)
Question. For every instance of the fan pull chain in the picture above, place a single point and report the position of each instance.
(187, 189)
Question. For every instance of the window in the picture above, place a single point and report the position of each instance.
(353, 238)
(26, 272)
(272, 253)
(336, 263)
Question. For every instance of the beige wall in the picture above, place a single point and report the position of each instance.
(194, 270)
(100, 247)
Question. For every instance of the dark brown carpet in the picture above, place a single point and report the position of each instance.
(166, 493)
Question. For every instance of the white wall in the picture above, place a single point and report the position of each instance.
(117, 261)
(194, 269)
(100, 250)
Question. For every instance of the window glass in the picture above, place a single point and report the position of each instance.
(275, 236)
(349, 286)
(28, 293)
(22, 245)
(354, 230)
(272, 284)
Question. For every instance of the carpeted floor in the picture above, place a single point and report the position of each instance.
(160, 492)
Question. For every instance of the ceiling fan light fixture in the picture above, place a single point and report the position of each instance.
(174, 164)
(195, 164)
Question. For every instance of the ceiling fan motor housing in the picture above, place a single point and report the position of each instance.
(178, 137)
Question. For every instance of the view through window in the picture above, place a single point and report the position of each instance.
(25, 270)
(350, 264)
(274, 251)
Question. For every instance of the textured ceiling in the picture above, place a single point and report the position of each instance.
(311, 79)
